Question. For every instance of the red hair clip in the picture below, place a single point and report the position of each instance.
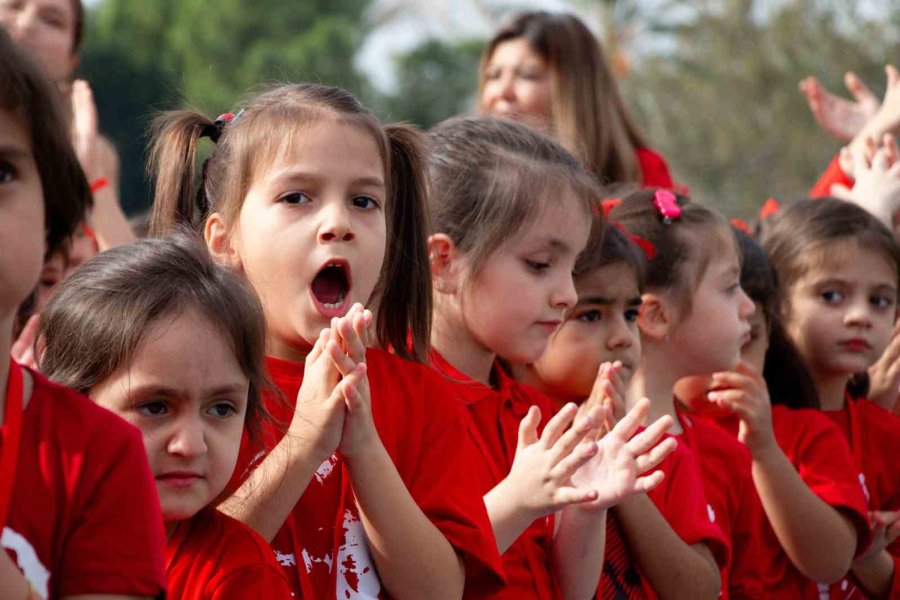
(608, 204)
(742, 225)
(769, 208)
(667, 205)
(645, 245)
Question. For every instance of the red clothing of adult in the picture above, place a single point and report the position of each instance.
(84, 516)
(214, 557)
(681, 501)
(822, 458)
(874, 437)
(493, 416)
(833, 174)
(725, 468)
(654, 170)
(322, 545)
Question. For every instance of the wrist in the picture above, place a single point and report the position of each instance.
(371, 455)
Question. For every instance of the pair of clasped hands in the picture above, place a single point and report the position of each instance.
(334, 398)
(592, 456)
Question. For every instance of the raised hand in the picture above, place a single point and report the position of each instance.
(320, 411)
(744, 392)
(540, 480)
(615, 470)
(876, 171)
(838, 116)
(346, 348)
(884, 375)
(608, 394)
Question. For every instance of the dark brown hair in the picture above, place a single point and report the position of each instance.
(266, 128)
(787, 378)
(492, 177)
(608, 245)
(589, 115)
(800, 232)
(100, 315)
(77, 25)
(682, 247)
(28, 96)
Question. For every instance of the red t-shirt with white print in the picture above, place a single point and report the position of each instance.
(84, 516)
(725, 467)
(493, 416)
(214, 557)
(822, 459)
(322, 546)
(874, 437)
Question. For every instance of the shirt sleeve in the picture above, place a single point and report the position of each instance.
(117, 543)
(833, 174)
(684, 505)
(654, 170)
(450, 499)
(826, 466)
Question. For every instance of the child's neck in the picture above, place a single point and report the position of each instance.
(655, 380)
(457, 347)
(277, 348)
(832, 391)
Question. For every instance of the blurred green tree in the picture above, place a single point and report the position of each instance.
(145, 56)
(437, 80)
(722, 104)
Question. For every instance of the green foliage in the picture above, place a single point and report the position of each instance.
(437, 80)
(724, 107)
(146, 56)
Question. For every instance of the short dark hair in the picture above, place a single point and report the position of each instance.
(610, 244)
(101, 314)
(28, 95)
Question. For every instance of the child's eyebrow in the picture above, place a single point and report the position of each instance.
(635, 301)
(13, 152)
(150, 390)
(301, 176)
(602, 300)
(554, 243)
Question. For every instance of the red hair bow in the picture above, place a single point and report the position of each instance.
(769, 208)
(607, 204)
(742, 225)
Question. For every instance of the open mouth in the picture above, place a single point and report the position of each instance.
(331, 289)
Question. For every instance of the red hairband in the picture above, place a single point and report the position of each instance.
(769, 208)
(606, 205)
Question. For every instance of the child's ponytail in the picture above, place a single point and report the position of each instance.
(178, 198)
(406, 276)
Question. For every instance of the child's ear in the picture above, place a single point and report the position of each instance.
(220, 242)
(445, 262)
(656, 318)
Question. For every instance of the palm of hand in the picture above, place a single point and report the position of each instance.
(612, 472)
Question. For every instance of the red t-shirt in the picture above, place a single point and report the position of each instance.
(833, 174)
(822, 458)
(681, 501)
(725, 467)
(654, 170)
(874, 437)
(493, 416)
(323, 545)
(84, 516)
(214, 557)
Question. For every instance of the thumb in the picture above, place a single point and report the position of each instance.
(859, 90)
(528, 427)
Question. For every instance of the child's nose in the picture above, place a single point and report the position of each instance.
(564, 294)
(336, 224)
(619, 335)
(748, 307)
(188, 438)
(859, 313)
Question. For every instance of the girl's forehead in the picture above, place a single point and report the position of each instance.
(847, 257)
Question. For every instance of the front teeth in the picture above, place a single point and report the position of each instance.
(335, 305)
